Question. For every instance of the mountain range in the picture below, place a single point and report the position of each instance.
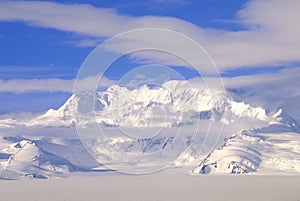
(254, 141)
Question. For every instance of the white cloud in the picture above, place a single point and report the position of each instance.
(271, 37)
(50, 85)
(139, 81)
(87, 42)
(24, 85)
(83, 19)
(267, 90)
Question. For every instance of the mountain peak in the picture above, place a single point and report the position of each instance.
(281, 117)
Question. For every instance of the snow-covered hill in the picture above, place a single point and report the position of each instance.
(255, 152)
(43, 157)
(274, 149)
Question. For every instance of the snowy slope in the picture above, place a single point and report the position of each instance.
(258, 151)
(42, 158)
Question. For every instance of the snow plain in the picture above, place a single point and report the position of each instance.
(154, 188)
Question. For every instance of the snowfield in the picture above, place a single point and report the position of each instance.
(154, 188)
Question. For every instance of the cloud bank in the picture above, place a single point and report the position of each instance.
(51, 85)
(270, 36)
(267, 90)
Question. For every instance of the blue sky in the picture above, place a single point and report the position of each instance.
(255, 44)
(25, 47)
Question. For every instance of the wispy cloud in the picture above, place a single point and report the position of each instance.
(24, 85)
(271, 37)
(267, 90)
(88, 42)
(50, 85)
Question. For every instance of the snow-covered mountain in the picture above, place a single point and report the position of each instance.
(274, 149)
(256, 141)
(43, 157)
(25, 157)
(174, 103)
(255, 152)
